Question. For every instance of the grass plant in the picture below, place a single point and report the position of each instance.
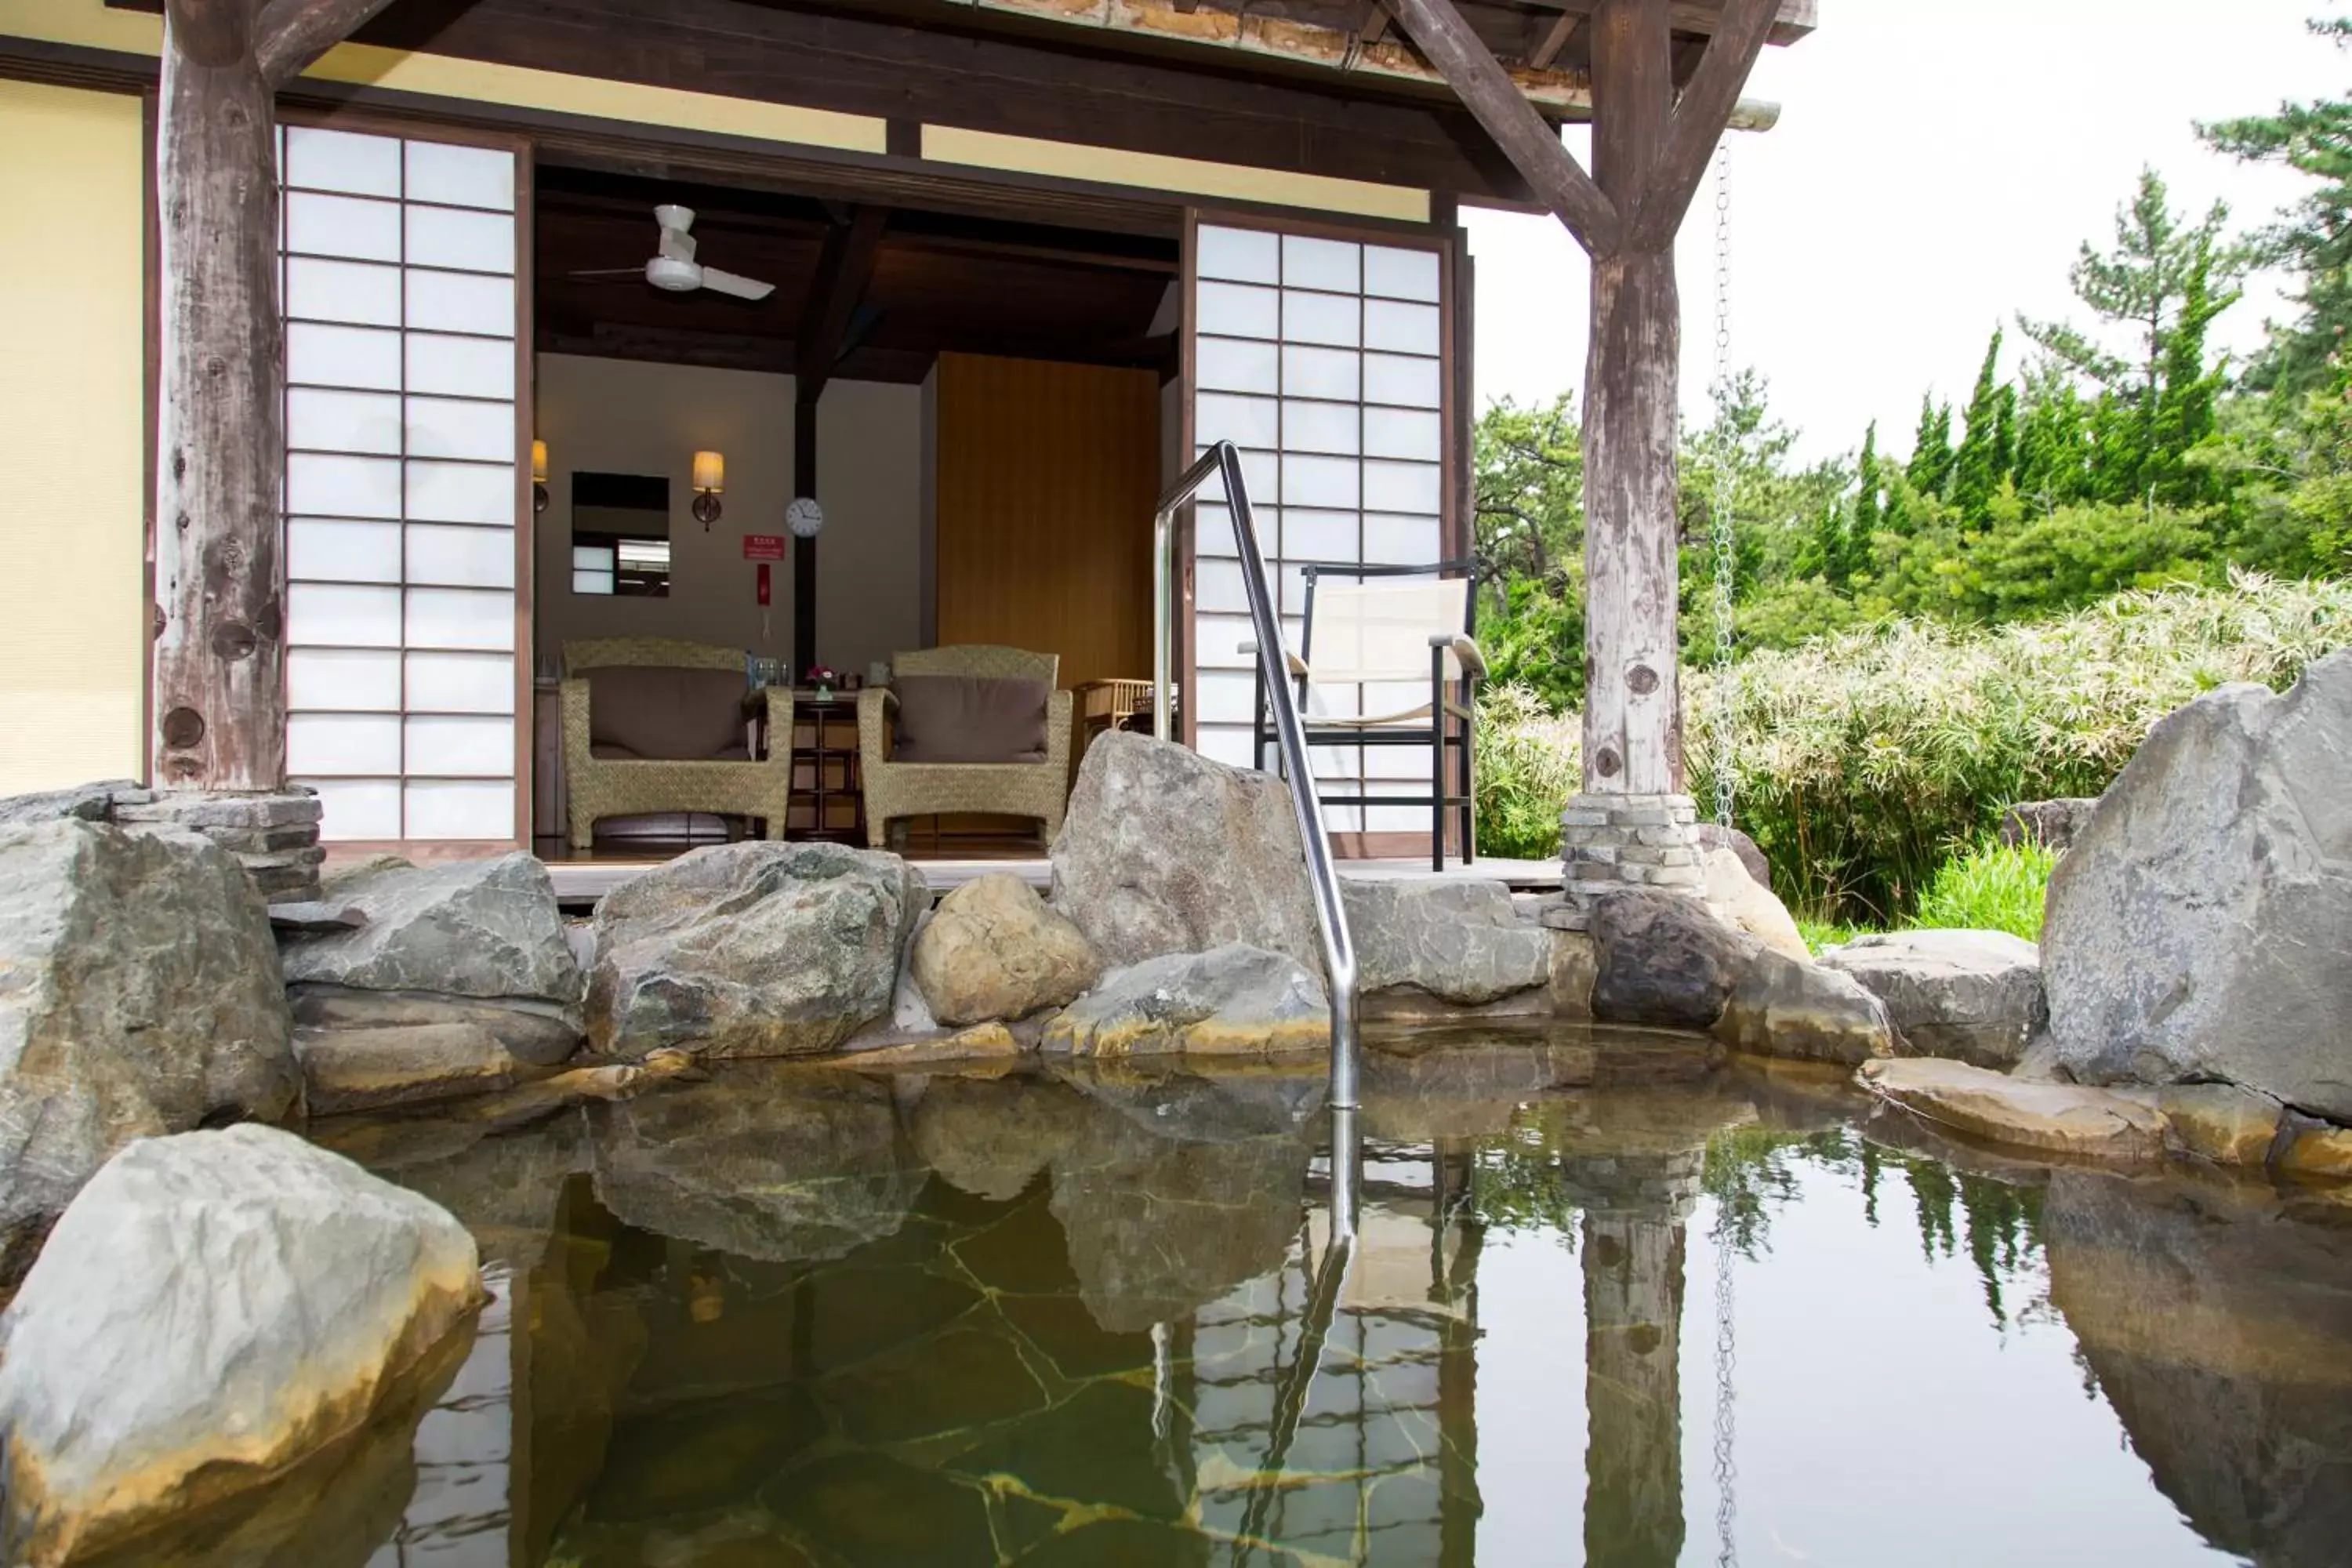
(1864, 759)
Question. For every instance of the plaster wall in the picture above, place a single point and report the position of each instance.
(72, 435)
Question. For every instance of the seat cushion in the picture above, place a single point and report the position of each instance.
(970, 719)
(663, 714)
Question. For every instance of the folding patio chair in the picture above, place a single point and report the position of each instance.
(1367, 645)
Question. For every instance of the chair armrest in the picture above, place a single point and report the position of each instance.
(1059, 708)
(780, 724)
(1298, 664)
(573, 694)
(874, 704)
(1465, 652)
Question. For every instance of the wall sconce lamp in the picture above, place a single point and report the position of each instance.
(539, 476)
(709, 479)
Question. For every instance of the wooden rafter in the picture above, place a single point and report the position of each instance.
(292, 33)
(842, 271)
(1495, 102)
(1699, 118)
(1556, 39)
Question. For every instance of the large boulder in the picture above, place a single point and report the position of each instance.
(213, 1307)
(1664, 959)
(473, 942)
(1970, 996)
(1231, 999)
(1165, 851)
(1784, 1006)
(2046, 824)
(1460, 943)
(1748, 905)
(367, 1070)
(139, 995)
(2196, 930)
(752, 950)
(993, 950)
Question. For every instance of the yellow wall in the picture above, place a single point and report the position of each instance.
(72, 435)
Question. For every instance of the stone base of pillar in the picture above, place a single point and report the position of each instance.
(275, 837)
(1609, 842)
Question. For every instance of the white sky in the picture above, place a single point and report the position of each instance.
(1937, 165)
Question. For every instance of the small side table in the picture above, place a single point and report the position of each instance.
(828, 792)
(1111, 705)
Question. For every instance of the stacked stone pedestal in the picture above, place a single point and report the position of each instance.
(1609, 842)
(274, 836)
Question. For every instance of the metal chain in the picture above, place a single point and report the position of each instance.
(1727, 1362)
(1727, 558)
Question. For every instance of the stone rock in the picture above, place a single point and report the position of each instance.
(774, 1160)
(1711, 837)
(1575, 964)
(1164, 851)
(910, 1013)
(1745, 904)
(752, 950)
(1232, 999)
(82, 803)
(1969, 995)
(1459, 941)
(1790, 1007)
(2049, 1118)
(215, 1307)
(366, 1070)
(139, 995)
(2197, 929)
(2051, 824)
(1663, 959)
(2218, 1122)
(992, 951)
(981, 1043)
(485, 928)
(315, 917)
(541, 1033)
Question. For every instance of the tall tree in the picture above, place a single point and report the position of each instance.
(1981, 464)
(1868, 513)
(1930, 469)
(2314, 239)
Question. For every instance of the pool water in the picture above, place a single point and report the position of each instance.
(1607, 1304)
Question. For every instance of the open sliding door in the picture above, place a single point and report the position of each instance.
(408, 474)
(1327, 360)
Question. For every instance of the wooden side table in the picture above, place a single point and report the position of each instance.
(828, 792)
(1111, 705)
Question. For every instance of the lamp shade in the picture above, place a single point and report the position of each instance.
(710, 471)
(538, 462)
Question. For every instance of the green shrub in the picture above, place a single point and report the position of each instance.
(1861, 759)
(1993, 887)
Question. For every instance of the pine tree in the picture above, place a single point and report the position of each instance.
(1831, 551)
(1930, 470)
(1980, 467)
(1868, 511)
(2053, 443)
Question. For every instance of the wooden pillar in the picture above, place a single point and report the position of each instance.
(219, 614)
(804, 550)
(1632, 742)
(220, 657)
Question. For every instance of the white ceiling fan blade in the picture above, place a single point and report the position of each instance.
(730, 283)
(677, 245)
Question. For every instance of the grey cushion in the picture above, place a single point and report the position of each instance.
(970, 719)
(663, 714)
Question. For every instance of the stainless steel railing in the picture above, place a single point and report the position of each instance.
(1330, 912)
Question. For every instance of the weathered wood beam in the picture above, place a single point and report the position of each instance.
(1533, 147)
(1375, 25)
(293, 33)
(842, 271)
(219, 613)
(1699, 121)
(1556, 39)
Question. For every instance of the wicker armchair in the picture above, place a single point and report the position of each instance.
(636, 787)
(900, 790)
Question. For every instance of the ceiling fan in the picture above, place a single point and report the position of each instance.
(673, 266)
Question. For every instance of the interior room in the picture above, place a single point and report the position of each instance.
(981, 408)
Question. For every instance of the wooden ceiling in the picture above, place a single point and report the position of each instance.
(940, 282)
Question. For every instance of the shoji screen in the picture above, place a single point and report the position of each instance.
(403, 478)
(1324, 361)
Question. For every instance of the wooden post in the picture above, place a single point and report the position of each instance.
(804, 550)
(1650, 151)
(220, 657)
(844, 269)
(1632, 382)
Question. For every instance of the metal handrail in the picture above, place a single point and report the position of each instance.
(1330, 912)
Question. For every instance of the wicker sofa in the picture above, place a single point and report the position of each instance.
(617, 757)
(896, 790)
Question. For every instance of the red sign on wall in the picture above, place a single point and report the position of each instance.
(763, 547)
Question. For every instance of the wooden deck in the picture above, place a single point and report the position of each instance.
(584, 882)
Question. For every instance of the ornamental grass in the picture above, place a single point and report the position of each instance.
(1864, 759)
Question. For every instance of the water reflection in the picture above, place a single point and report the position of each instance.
(1114, 1316)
